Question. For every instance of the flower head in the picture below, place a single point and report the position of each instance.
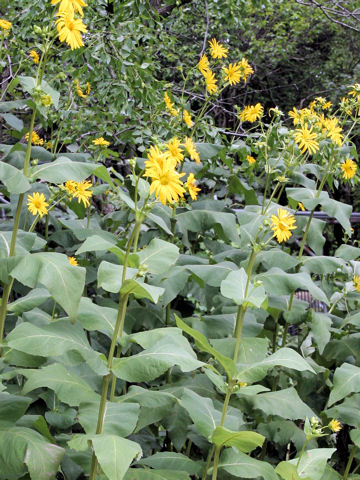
(187, 119)
(5, 25)
(35, 56)
(157, 159)
(166, 183)
(46, 100)
(333, 130)
(203, 64)
(356, 281)
(191, 186)
(217, 50)
(349, 169)
(245, 69)
(170, 106)
(82, 192)
(101, 142)
(306, 139)
(35, 139)
(335, 425)
(79, 91)
(210, 80)
(70, 187)
(73, 261)
(70, 29)
(37, 204)
(174, 152)
(250, 159)
(70, 6)
(251, 113)
(190, 147)
(281, 224)
(232, 73)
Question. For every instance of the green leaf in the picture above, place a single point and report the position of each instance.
(153, 362)
(141, 290)
(12, 105)
(278, 282)
(55, 339)
(96, 243)
(12, 407)
(347, 252)
(202, 343)
(224, 224)
(348, 411)
(322, 265)
(288, 471)
(69, 388)
(244, 441)
(237, 185)
(320, 329)
(62, 170)
(241, 465)
(53, 270)
(284, 403)
(115, 454)
(274, 257)
(346, 380)
(208, 150)
(110, 276)
(13, 121)
(119, 419)
(308, 197)
(212, 275)
(19, 446)
(238, 288)
(172, 461)
(313, 463)
(33, 299)
(338, 210)
(13, 179)
(158, 256)
(142, 474)
(94, 317)
(29, 83)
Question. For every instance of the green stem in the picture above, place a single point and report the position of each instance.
(208, 461)
(302, 452)
(349, 463)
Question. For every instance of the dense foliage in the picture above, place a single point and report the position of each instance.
(168, 309)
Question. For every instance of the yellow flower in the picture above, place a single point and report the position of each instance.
(355, 89)
(157, 159)
(326, 105)
(232, 73)
(5, 25)
(335, 425)
(349, 169)
(70, 187)
(203, 65)
(251, 113)
(37, 204)
(170, 106)
(166, 183)
(333, 130)
(356, 280)
(46, 100)
(70, 29)
(282, 224)
(101, 142)
(48, 145)
(191, 186)
(301, 206)
(174, 152)
(245, 69)
(210, 80)
(190, 147)
(78, 89)
(187, 119)
(82, 193)
(35, 139)
(73, 261)
(295, 114)
(70, 6)
(250, 159)
(35, 56)
(306, 140)
(217, 50)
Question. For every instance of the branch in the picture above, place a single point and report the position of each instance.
(339, 11)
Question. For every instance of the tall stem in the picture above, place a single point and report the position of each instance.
(349, 463)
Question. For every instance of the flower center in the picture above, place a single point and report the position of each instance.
(164, 179)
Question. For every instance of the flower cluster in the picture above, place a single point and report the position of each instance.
(79, 190)
(5, 26)
(232, 74)
(170, 106)
(68, 25)
(161, 167)
(35, 139)
(35, 56)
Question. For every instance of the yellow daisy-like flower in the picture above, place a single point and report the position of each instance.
(232, 73)
(70, 187)
(203, 65)
(356, 281)
(37, 204)
(82, 193)
(167, 184)
(333, 130)
(5, 25)
(79, 90)
(281, 224)
(174, 152)
(70, 6)
(355, 89)
(35, 56)
(101, 142)
(349, 168)
(245, 69)
(170, 106)
(305, 138)
(35, 139)
(73, 261)
(326, 105)
(217, 50)
(335, 425)
(251, 113)
(187, 119)
(157, 159)
(250, 159)
(210, 80)
(70, 29)
(191, 186)
(190, 147)
(301, 206)
(296, 115)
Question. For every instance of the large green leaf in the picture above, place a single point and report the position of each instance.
(55, 339)
(320, 329)
(241, 465)
(244, 441)
(322, 264)
(141, 290)
(115, 454)
(30, 83)
(53, 270)
(63, 169)
(224, 224)
(12, 407)
(141, 474)
(96, 243)
(13, 179)
(110, 276)
(95, 317)
(153, 362)
(69, 388)
(33, 299)
(346, 380)
(19, 446)
(313, 463)
(212, 274)
(172, 461)
(284, 403)
(347, 412)
(158, 256)
(238, 288)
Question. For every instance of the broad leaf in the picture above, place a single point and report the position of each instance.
(13, 179)
(241, 465)
(244, 441)
(346, 380)
(172, 461)
(158, 256)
